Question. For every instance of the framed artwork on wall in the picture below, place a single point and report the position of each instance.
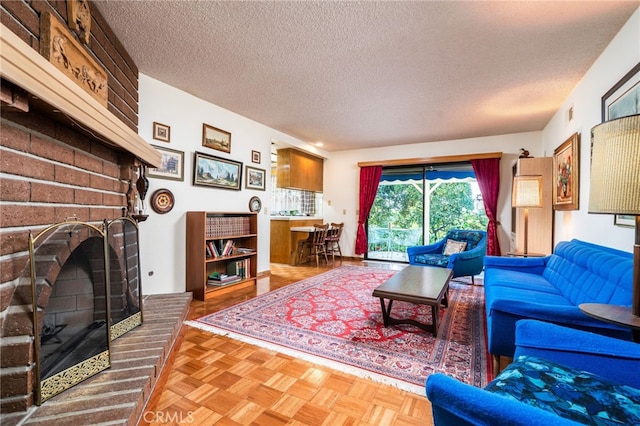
(171, 165)
(566, 181)
(216, 172)
(255, 157)
(624, 220)
(161, 132)
(215, 138)
(255, 178)
(622, 100)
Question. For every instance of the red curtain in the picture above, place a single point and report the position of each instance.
(369, 180)
(488, 177)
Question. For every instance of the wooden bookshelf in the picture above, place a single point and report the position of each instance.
(218, 228)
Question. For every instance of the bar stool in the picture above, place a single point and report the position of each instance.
(333, 240)
(315, 244)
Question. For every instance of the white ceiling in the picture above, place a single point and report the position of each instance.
(362, 74)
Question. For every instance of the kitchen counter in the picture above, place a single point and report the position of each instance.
(284, 243)
(317, 219)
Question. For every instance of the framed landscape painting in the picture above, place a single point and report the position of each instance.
(171, 165)
(215, 138)
(216, 172)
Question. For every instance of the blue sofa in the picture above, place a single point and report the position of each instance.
(467, 263)
(560, 376)
(551, 288)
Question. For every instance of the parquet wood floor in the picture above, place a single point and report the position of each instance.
(216, 380)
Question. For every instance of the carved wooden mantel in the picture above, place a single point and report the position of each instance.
(26, 68)
(60, 47)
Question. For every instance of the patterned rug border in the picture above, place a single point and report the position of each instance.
(336, 364)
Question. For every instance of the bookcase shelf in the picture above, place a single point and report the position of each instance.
(216, 228)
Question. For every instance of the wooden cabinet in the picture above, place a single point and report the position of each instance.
(299, 170)
(541, 220)
(212, 228)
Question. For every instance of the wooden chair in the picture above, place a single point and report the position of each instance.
(315, 245)
(333, 240)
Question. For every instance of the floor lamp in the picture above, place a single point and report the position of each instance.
(527, 193)
(615, 181)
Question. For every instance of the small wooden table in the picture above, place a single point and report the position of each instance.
(620, 315)
(422, 285)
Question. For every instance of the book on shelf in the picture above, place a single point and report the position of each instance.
(239, 268)
(228, 248)
(244, 250)
(211, 248)
(218, 279)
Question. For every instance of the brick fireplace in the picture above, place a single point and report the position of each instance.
(55, 164)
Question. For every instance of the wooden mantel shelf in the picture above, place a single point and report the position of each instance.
(25, 67)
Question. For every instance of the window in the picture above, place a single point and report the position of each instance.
(418, 205)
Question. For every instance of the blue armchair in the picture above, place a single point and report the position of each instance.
(559, 376)
(466, 263)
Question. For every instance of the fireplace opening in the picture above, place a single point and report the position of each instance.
(75, 321)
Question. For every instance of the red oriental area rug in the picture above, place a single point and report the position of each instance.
(333, 320)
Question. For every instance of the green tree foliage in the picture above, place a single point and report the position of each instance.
(401, 206)
(398, 205)
(452, 207)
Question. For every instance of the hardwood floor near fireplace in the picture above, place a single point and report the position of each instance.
(217, 380)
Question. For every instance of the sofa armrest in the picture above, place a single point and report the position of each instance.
(615, 359)
(532, 265)
(457, 403)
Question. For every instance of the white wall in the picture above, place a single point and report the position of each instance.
(162, 237)
(342, 176)
(622, 54)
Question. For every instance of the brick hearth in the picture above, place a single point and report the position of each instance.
(117, 396)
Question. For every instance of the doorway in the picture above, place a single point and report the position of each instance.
(417, 205)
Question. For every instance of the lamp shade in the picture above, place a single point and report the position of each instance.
(615, 167)
(527, 191)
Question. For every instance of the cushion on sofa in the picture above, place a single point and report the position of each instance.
(510, 278)
(572, 394)
(453, 246)
(586, 273)
(433, 260)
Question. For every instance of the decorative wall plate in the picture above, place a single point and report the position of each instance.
(162, 201)
(255, 205)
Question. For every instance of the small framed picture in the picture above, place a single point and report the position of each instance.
(216, 172)
(161, 132)
(171, 165)
(255, 157)
(215, 138)
(255, 178)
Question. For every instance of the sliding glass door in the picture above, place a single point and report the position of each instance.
(418, 205)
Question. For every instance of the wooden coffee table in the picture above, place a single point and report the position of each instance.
(422, 285)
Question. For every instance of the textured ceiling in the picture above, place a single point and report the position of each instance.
(372, 73)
